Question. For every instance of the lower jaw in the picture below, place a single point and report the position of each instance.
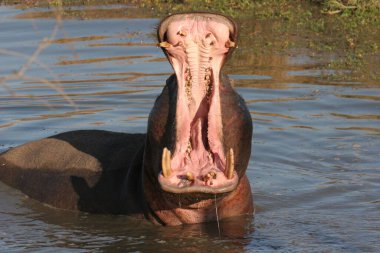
(210, 178)
(228, 186)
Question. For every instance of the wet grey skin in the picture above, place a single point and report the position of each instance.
(156, 175)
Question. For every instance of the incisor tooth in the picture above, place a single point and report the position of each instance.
(166, 168)
(164, 44)
(230, 44)
(230, 164)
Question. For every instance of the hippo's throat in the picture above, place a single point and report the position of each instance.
(196, 46)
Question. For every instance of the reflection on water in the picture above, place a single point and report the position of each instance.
(314, 169)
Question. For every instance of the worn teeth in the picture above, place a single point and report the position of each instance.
(190, 176)
(230, 44)
(207, 179)
(208, 83)
(230, 164)
(166, 167)
(189, 148)
(188, 84)
(164, 44)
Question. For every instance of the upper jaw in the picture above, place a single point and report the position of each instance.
(163, 26)
(196, 45)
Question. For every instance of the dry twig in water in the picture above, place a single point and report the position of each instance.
(20, 73)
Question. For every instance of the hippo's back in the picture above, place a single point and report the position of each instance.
(78, 170)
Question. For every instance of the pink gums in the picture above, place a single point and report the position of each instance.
(197, 53)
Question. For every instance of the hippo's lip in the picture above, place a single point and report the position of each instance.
(196, 45)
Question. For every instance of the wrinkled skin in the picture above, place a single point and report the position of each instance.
(189, 167)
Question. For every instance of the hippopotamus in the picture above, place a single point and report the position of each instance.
(190, 165)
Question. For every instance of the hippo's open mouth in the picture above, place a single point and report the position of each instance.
(196, 45)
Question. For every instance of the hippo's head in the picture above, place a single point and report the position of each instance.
(199, 131)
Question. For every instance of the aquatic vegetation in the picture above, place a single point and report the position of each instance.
(339, 6)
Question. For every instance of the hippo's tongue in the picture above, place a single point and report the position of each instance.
(196, 45)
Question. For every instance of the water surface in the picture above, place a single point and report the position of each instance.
(314, 168)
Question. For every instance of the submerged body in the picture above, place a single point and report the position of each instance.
(191, 161)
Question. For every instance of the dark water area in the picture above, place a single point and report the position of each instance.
(315, 164)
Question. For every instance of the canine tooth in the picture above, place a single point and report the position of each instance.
(164, 44)
(230, 164)
(230, 44)
(166, 168)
